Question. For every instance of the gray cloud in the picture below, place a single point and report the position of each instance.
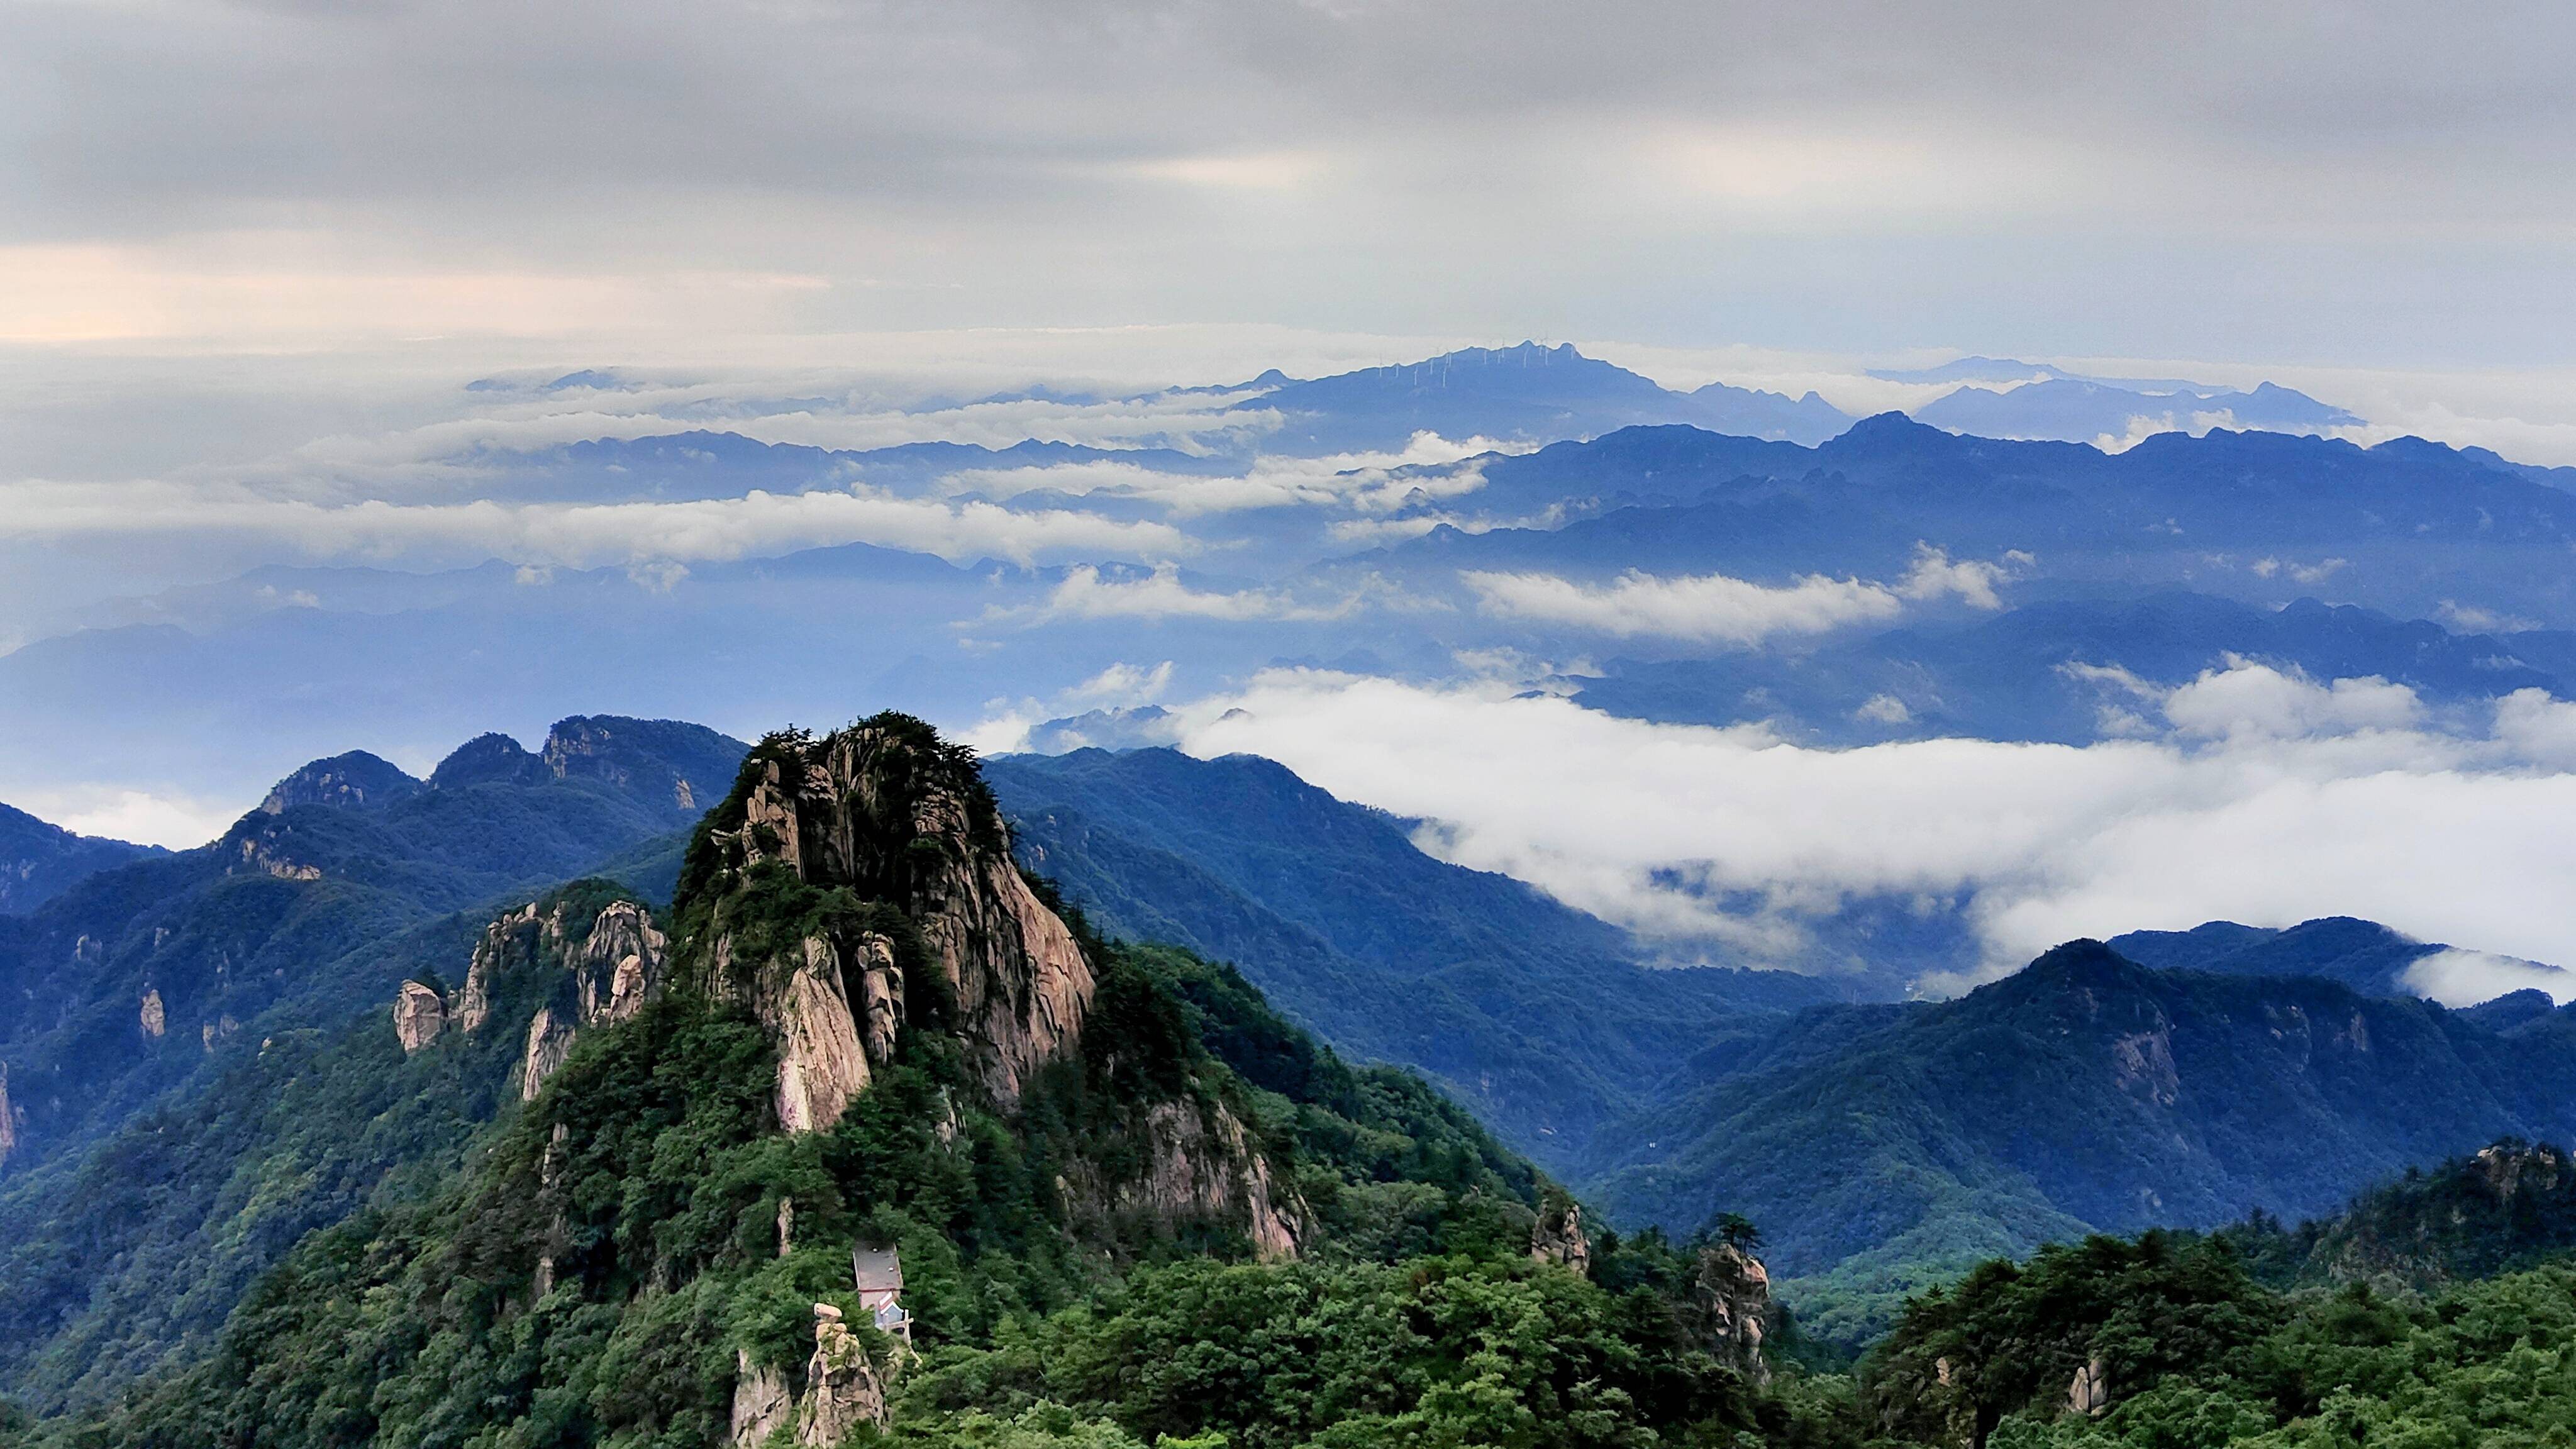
(2207, 180)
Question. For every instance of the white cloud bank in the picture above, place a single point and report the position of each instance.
(581, 535)
(1717, 609)
(2313, 800)
(142, 816)
(2464, 978)
(1086, 592)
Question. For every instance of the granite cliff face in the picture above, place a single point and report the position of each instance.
(1732, 1292)
(597, 955)
(1201, 1166)
(882, 812)
(862, 883)
(1558, 1236)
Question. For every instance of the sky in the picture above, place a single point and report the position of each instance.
(251, 253)
(2369, 185)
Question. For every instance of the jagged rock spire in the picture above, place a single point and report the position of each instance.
(882, 811)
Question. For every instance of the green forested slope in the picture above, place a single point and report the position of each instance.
(1545, 1020)
(145, 976)
(626, 1257)
(1884, 1148)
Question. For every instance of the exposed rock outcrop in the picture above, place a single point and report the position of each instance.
(893, 814)
(861, 884)
(760, 1401)
(1201, 1165)
(1558, 1237)
(821, 1064)
(614, 956)
(8, 1119)
(155, 1019)
(2090, 1393)
(351, 781)
(549, 1042)
(420, 1014)
(1731, 1292)
(264, 851)
(881, 989)
(2507, 1169)
(842, 1390)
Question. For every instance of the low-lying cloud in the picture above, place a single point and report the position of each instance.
(2459, 977)
(1717, 609)
(1736, 838)
(578, 535)
(1088, 592)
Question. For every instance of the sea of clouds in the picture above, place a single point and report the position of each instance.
(2262, 797)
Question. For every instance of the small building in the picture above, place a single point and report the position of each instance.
(879, 1272)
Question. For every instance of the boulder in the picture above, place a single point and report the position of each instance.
(420, 1014)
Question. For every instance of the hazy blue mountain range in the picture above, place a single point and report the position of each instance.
(714, 464)
(2364, 955)
(1356, 567)
(2084, 411)
(147, 974)
(2039, 672)
(2409, 530)
(1541, 1018)
(1527, 393)
(2406, 527)
(40, 861)
(2004, 398)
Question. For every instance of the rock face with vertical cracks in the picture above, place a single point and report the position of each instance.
(1558, 1235)
(420, 1014)
(593, 958)
(857, 893)
(886, 812)
(821, 1065)
(1731, 1292)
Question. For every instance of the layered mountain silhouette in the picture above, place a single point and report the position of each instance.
(2069, 671)
(152, 973)
(1527, 393)
(40, 861)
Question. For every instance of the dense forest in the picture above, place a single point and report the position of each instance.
(609, 1185)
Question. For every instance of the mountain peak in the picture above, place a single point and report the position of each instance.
(351, 781)
(488, 758)
(887, 811)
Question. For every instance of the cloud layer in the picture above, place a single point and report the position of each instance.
(2012, 177)
(2300, 805)
(1716, 609)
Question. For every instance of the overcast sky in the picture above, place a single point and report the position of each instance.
(2382, 186)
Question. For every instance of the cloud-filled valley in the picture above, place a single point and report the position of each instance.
(1892, 701)
(2270, 799)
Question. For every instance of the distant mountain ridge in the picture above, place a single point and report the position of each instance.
(39, 861)
(2008, 398)
(1526, 393)
(2068, 671)
(142, 975)
(2084, 1092)
(2406, 527)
